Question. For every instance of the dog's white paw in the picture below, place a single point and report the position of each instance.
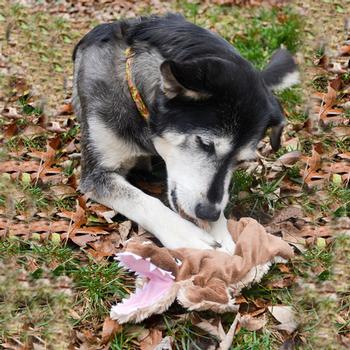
(227, 244)
(184, 234)
(221, 234)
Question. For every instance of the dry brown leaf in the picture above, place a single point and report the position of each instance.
(252, 323)
(290, 158)
(82, 240)
(109, 329)
(33, 130)
(11, 112)
(344, 50)
(14, 166)
(345, 155)
(165, 344)
(337, 67)
(313, 162)
(240, 299)
(328, 101)
(152, 340)
(285, 316)
(316, 231)
(288, 213)
(283, 268)
(297, 242)
(55, 127)
(105, 246)
(94, 230)
(62, 191)
(70, 148)
(259, 311)
(79, 217)
(212, 326)
(341, 131)
(124, 230)
(10, 130)
(285, 281)
(38, 226)
(66, 109)
(337, 168)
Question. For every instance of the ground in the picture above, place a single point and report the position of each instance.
(58, 277)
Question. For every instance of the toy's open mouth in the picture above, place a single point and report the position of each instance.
(158, 283)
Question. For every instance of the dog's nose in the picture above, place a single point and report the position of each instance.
(207, 212)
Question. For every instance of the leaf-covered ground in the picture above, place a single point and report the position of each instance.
(58, 279)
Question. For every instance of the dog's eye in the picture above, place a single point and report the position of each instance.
(205, 146)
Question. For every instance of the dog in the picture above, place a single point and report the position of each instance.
(160, 85)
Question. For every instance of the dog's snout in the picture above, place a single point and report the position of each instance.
(207, 212)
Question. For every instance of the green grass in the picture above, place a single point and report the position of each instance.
(92, 288)
(318, 306)
(70, 134)
(291, 99)
(66, 203)
(126, 340)
(99, 282)
(266, 32)
(320, 83)
(255, 32)
(263, 289)
(35, 142)
(336, 204)
(32, 197)
(342, 195)
(32, 303)
(186, 335)
(27, 108)
(254, 194)
(256, 340)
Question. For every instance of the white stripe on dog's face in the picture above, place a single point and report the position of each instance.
(246, 152)
(190, 169)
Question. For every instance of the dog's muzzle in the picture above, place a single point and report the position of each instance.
(207, 212)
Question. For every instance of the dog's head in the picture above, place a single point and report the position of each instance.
(212, 114)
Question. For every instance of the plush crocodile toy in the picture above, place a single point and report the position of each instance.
(197, 279)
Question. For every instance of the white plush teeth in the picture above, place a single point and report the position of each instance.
(152, 267)
(178, 262)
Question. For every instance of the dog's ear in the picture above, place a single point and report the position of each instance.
(197, 79)
(275, 136)
(277, 124)
(281, 72)
(171, 84)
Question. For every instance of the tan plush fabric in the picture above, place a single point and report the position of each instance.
(209, 279)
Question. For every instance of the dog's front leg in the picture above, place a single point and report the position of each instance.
(220, 233)
(172, 230)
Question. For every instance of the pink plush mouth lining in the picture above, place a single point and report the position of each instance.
(159, 282)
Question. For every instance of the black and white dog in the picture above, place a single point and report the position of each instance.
(207, 109)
